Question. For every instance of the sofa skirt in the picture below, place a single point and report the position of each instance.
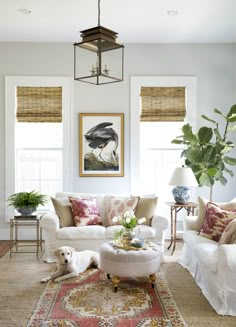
(222, 299)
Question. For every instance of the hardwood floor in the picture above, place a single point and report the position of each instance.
(4, 247)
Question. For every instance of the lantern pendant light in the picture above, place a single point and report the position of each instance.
(98, 58)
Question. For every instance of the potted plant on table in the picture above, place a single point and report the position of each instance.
(205, 151)
(27, 202)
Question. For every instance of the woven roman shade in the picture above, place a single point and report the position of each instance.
(39, 104)
(162, 104)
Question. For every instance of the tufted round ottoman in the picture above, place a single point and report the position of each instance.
(119, 262)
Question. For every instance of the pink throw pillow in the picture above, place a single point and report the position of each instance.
(85, 212)
(215, 222)
(118, 206)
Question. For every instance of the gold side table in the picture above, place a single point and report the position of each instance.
(174, 209)
(20, 221)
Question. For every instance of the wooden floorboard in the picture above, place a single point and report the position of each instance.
(4, 247)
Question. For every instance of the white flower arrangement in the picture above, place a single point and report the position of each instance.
(128, 220)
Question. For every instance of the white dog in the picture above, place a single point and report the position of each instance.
(71, 263)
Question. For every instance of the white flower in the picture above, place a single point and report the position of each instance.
(119, 218)
(127, 220)
(141, 220)
(115, 219)
(126, 214)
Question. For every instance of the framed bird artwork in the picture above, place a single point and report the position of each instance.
(101, 144)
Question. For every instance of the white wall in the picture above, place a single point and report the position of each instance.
(214, 66)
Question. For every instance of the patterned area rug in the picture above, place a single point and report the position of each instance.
(89, 300)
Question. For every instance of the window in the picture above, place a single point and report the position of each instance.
(162, 115)
(155, 162)
(38, 161)
(158, 157)
(38, 152)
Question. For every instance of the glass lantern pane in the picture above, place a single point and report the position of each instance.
(112, 63)
(85, 63)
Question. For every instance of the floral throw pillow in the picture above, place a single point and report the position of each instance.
(85, 212)
(215, 222)
(202, 204)
(116, 206)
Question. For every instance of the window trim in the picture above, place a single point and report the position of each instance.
(136, 82)
(10, 108)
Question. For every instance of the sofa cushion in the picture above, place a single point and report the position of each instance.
(117, 206)
(192, 238)
(145, 232)
(216, 219)
(94, 232)
(202, 203)
(146, 208)
(229, 234)
(85, 212)
(204, 249)
(207, 255)
(62, 208)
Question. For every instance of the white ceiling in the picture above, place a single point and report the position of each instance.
(141, 21)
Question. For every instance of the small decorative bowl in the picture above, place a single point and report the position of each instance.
(137, 242)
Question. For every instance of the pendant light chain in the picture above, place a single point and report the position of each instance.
(98, 12)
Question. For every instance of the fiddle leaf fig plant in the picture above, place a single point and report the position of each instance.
(206, 151)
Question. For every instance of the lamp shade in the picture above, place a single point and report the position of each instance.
(183, 176)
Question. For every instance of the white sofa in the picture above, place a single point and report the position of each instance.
(213, 267)
(91, 237)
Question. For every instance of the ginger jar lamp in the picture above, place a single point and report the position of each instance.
(182, 178)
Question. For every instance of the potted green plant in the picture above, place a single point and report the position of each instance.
(205, 151)
(27, 202)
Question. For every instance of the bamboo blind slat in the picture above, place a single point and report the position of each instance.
(39, 104)
(163, 104)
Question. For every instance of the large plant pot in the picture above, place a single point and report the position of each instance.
(26, 211)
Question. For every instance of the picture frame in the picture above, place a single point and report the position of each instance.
(101, 144)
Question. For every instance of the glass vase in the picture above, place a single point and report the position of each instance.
(127, 237)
